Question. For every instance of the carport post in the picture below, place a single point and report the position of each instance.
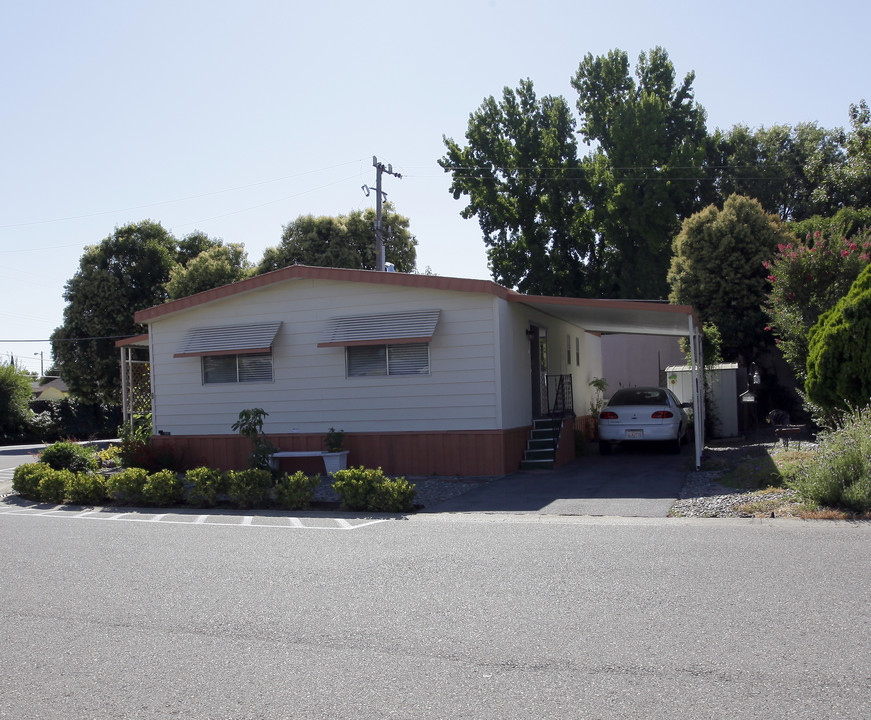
(697, 361)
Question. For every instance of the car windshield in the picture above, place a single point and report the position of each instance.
(639, 396)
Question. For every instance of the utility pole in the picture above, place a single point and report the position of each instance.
(379, 238)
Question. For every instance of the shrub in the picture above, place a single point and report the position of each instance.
(396, 495)
(295, 492)
(162, 488)
(366, 489)
(53, 486)
(249, 488)
(250, 425)
(110, 456)
(135, 437)
(127, 485)
(85, 488)
(26, 478)
(839, 348)
(807, 279)
(67, 455)
(839, 472)
(205, 484)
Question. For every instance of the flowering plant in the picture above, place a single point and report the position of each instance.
(807, 279)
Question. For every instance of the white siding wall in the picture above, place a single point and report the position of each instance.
(516, 383)
(310, 392)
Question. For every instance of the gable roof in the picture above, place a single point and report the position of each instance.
(595, 315)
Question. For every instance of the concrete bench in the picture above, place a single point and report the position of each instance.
(333, 461)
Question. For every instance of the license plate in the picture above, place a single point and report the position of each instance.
(634, 434)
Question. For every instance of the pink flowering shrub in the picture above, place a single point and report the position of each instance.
(807, 279)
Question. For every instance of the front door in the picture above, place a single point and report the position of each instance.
(538, 356)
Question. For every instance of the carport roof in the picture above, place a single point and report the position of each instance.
(615, 316)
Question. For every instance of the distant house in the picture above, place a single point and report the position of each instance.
(55, 389)
(424, 374)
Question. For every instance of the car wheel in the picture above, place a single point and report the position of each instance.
(674, 446)
(604, 447)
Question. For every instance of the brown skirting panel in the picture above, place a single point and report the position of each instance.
(473, 453)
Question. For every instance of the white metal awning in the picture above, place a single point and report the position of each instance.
(228, 340)
(386, 328)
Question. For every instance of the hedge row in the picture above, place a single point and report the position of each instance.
(358, 488)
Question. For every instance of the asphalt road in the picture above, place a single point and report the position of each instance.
(481, 615)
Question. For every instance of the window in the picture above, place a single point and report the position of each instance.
(578, 352)
(237, 368)
(374, 360)
(569, 350)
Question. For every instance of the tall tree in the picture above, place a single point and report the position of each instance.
(848, 184)
(780, 166)
(126, 272)
(650, 145)
(217, 265)
(523, 182)
(719, 269)
(345, 241)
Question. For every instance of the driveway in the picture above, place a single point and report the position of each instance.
(633, 482)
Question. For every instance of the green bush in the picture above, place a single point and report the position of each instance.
(839, 348)
(126, 486)
(85, 488)
(839, 472)
(295, 492)
(366, 489)
(162, 488)
(109, 456)
(53, 486)
(26, 479)
(204, 486)
(66, 455)
(249, 488)
(396, 495)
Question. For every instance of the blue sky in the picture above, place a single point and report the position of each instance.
(234, 118)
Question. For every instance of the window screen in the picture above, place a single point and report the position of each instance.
(237, 368)
(405, 359)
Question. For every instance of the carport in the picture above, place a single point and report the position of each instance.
(634, 318)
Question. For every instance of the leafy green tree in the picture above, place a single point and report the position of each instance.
(520, 174)
(650, 144)
(126, 272)
(718, 268)
(217, 265)
(345, 241)
(845, 223)
(15, 395)
(848, 183)
(840, 351)
(780, 166)
(807, 279)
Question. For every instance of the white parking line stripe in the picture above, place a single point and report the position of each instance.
(323, 523)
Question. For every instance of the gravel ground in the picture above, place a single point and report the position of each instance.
(703, 496)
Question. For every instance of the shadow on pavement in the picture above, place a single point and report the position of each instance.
(633, 482)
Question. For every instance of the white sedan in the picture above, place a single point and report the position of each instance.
(643, 414)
